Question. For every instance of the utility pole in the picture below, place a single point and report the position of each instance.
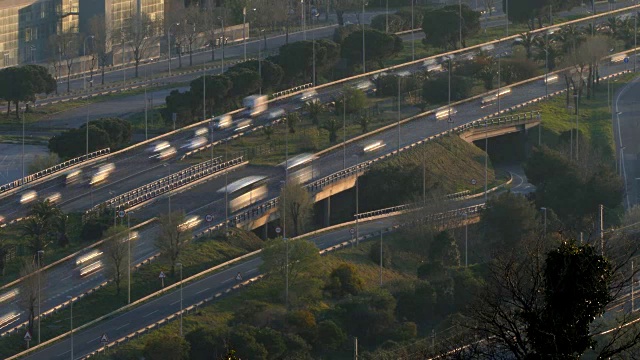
(380, 258)
(344, 131)
(398, 114)
(357, 211)
(364, 67)
(355, 348)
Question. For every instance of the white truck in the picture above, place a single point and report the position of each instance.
(255, 104)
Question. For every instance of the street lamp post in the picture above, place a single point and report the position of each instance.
(71, 323)
(364, 67)
(386, 26)
(129, 257)
(40, 254)
(399, 77)
(344, 131)
(577, 97)
(180, 265)
(260, 60)
(169, 167)
(380, 257)
(84, 61)
(169, 44)
(460, 21)
(302, 21)
(486, 159)
(223, 39)
(413, 46)
(244, 31)
(466, 239)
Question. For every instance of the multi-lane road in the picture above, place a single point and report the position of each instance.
(134, 169)
(204, 199)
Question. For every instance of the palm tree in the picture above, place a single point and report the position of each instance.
(571, 36)
(332, 125)
(315, 108)
(61, 226)
(527, 40)
(544, 45)
(293, 119)
(267, 130)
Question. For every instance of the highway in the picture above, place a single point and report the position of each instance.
(134, 169)
(626, 112)
(148, 313)
(204, 199)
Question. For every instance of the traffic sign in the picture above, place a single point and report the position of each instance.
(104, 338)
(121, 213)
(278, 229)
(209, 218)
(352, 231)
(27, 336)
(162, 275)
(626, 60)
(473, 181)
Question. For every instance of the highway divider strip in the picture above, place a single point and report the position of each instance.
(164, 185)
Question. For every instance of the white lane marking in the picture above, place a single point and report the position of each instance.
(175, 302)
(201, 291)
(226, 281)
(122, 326)
(252, 270)
(151, 313)
(63, 353)
(94, 340)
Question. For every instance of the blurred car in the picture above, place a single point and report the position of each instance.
(88, 257)
(167, 153)
(107, 168)
(28, 197)
(53, 198)
(102, 174)
(275, 114)
(203, 131)
(242, 124)
(190, 222)
(195, 143)
(307, 95)
(2, 220)
(9, 295)
(370, 146)
(445, 112)
(158, 146)
(73, 177)
(222, 122)
(8, 318)
(89, 269)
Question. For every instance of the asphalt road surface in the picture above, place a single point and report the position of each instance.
(626, 107)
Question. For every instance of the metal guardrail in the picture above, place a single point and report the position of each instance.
(54, 169)
(168, 183)
(384, 211)
(458, 195)
(278, 94)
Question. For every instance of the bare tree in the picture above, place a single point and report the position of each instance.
(140, 33)
(192, 24)
(66, 46)
(489, 5)
(296, 208)
(115, 249)
(28, 295)
(172, 237)
(101, 42)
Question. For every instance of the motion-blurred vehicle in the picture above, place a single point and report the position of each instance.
(299, 168)
(255, 104)
(165, 154)
(72, 177)
(190, 222)
(370, 146)
(89, 269)
(28, 197)
(9, 295)
(490, 99)
(445, 112)
(195, 143)
(8, 318)
(203, 131)
(275, 114)
(550, 79)
(307, 95)
(242, 124)
(245, 192)
(53, 198)
(102, 174)
(222, 122)
(158, 146)
(88, 257)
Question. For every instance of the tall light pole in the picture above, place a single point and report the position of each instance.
(507, 15)
(223, 39)
(260, 61)
(380, 257)
(84, 54)
(129, 257)
(344, 131)
(635, 37)
(71, 323)
(302, 21)
(459, 21)
(40, 254)
(357, 212)
(168, 165)
(386, 28)
(399, 77)
(24, 115)
(204, 91)
(169, 44)
(364, 67)
(180, 265)
(313, 45)
(244, 35)
(486, 159)
(413, 46)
